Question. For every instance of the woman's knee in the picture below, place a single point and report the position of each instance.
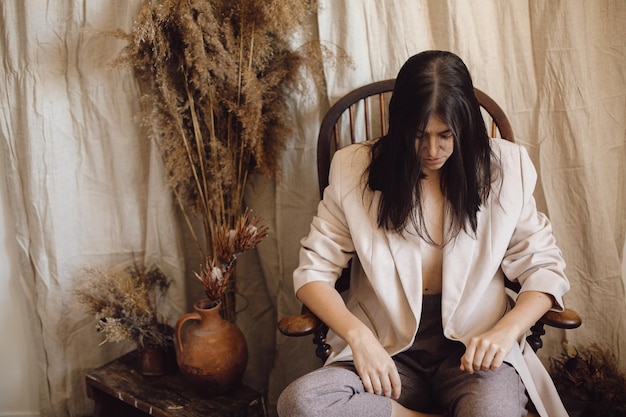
(474, 405)
(493, 396)
(311, 394)
(296, 400)
(331, 390)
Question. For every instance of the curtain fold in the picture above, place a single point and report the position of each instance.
(84, 184)
(87, 188)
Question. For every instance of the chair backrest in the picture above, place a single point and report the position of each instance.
(362, 115)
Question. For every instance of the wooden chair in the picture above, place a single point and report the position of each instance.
(361, 115)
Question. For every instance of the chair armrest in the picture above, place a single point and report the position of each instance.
(307, 323)
(566, 319)
(302, 324)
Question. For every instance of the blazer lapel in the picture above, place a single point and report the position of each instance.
(464, 258)
(405, 252)
(457, 260)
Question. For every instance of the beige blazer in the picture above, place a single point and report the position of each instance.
(513, 239)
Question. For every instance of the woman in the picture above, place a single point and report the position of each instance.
(435, 214)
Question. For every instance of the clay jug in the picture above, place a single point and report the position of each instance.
(211, 352)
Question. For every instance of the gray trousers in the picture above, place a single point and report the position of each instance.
(431, 383)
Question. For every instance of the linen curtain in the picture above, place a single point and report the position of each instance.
(87, 186)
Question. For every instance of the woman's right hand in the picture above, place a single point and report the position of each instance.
(374, 365)
(372, 362)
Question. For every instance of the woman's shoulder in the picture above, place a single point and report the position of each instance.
(348, 167)
(503, 145)
(508, 152)
(354, 156)
(355, 149)
(514, 162)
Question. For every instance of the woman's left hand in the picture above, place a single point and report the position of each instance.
(487, 351)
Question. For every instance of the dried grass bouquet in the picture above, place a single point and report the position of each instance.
(593, 378)
(215, 78)
(124, 302)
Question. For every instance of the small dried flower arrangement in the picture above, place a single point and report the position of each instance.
(592, 378)
(124, 302)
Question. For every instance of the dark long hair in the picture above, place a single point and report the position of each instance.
(432, 83)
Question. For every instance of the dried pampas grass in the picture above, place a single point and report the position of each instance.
(215, 77)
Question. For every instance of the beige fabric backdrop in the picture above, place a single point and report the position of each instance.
(86, 187)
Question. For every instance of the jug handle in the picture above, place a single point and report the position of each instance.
(179, 326)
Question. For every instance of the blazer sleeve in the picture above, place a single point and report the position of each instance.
(533, 257)
(328, 247)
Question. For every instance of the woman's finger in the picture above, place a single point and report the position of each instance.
(468, 358)
(386, 386)
(367, 383)
(376, 385)
(479, 354)
(396, 385)
(498, 359)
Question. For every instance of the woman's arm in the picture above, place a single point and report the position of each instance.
(373, 364)
(487, 351)
(533, 259)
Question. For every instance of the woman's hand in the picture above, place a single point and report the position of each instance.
(374, 365)
(487, 351)
(377, 370)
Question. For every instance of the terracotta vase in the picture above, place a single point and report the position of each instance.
(211, 352)
(151, 360)
(157, 358)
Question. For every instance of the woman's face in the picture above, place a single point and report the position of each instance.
(434, 145)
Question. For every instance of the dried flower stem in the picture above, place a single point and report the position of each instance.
(217, 271)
